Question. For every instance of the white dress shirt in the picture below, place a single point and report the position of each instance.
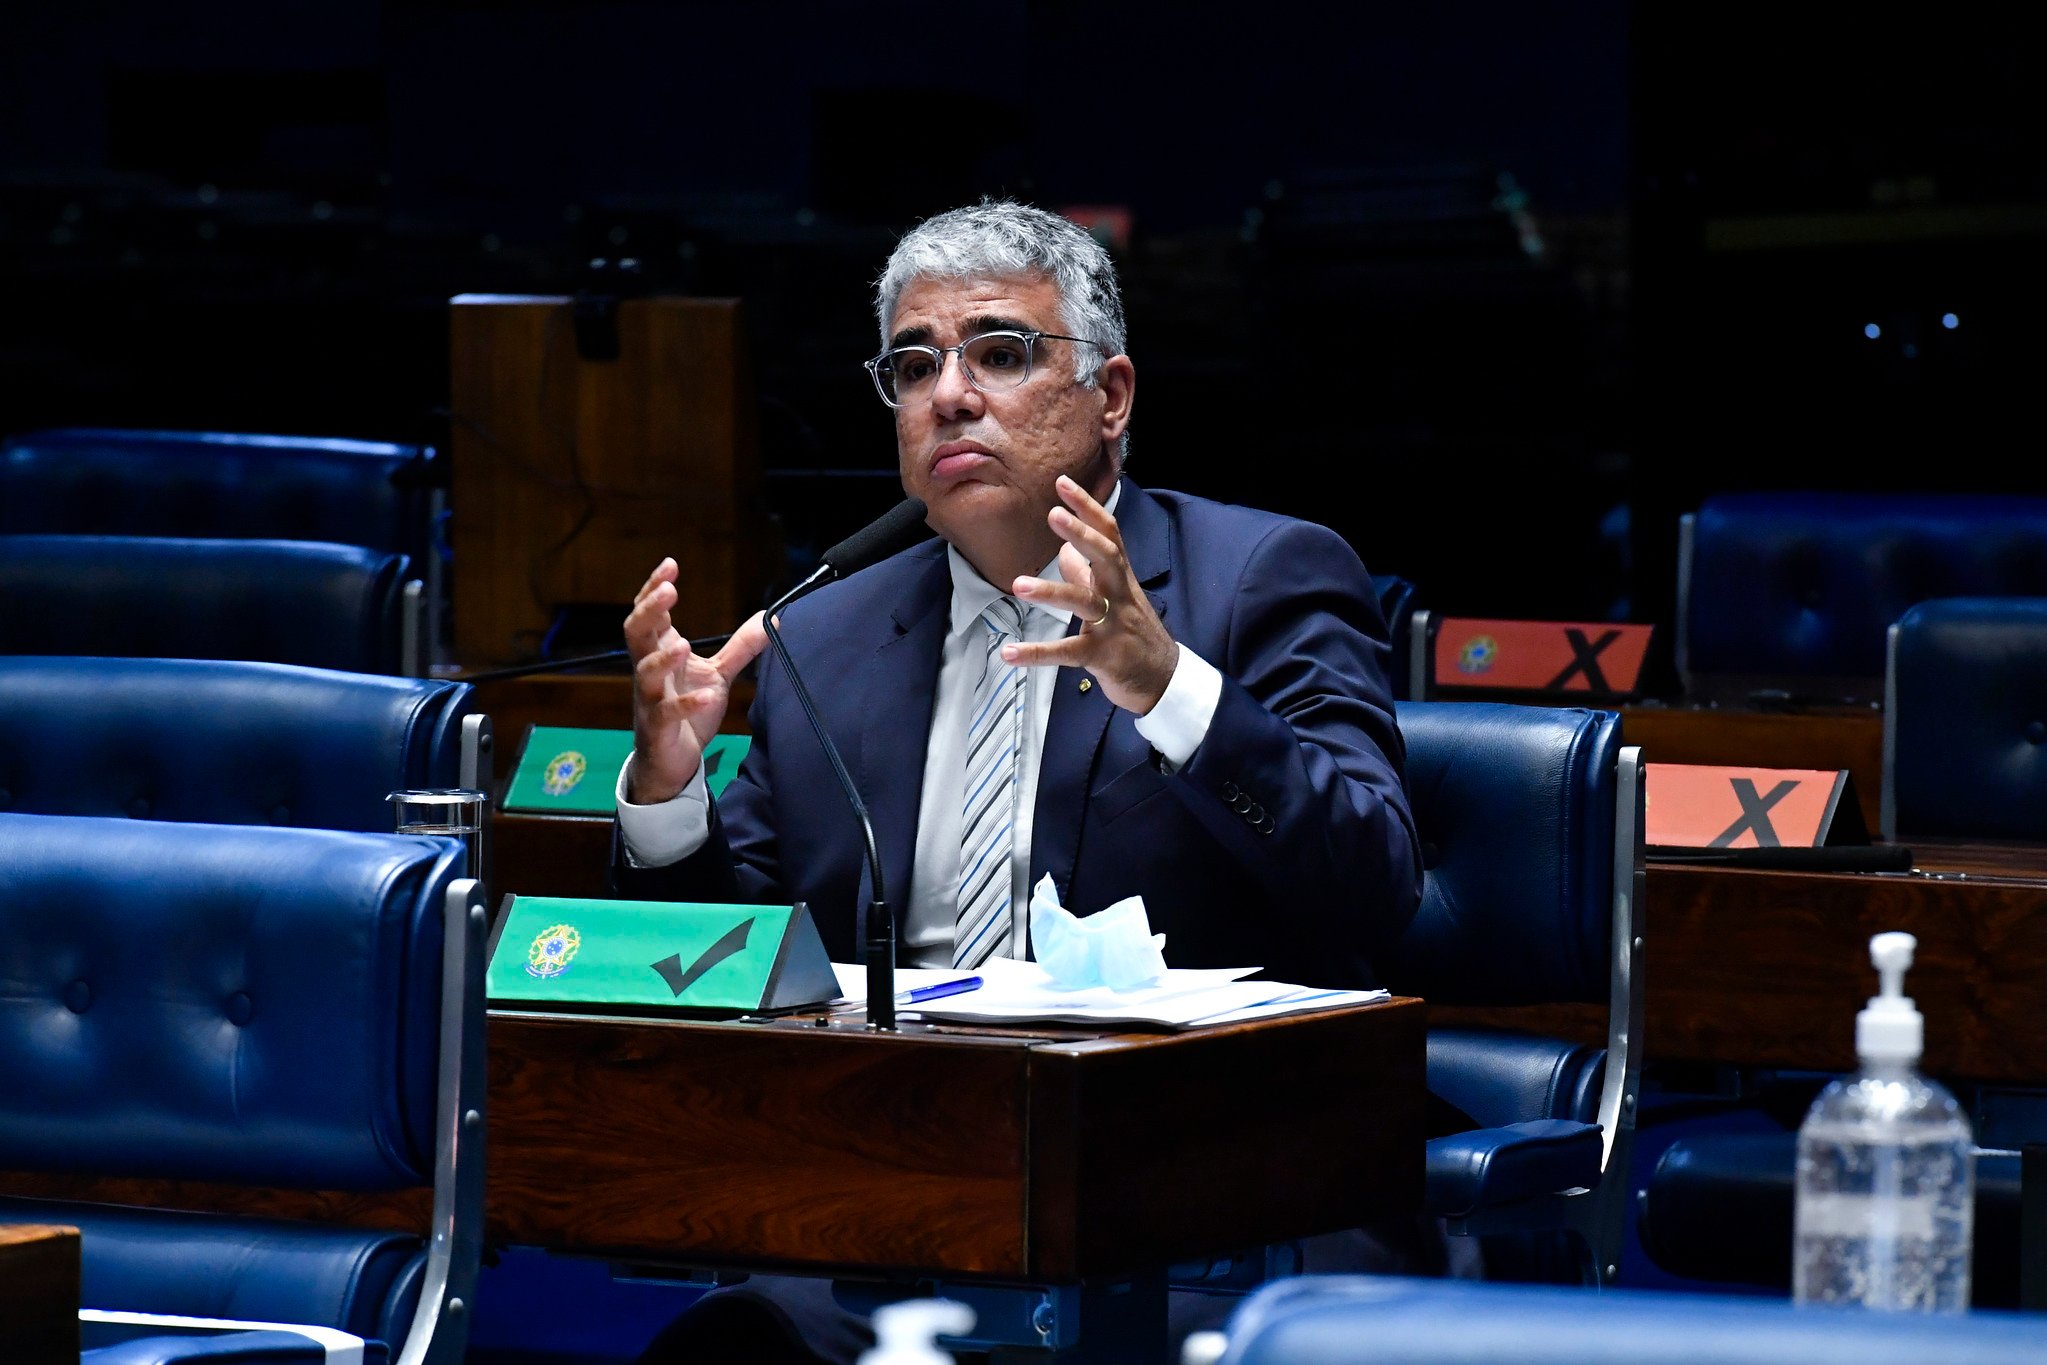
(667, 832)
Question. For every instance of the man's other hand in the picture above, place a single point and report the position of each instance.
(1121, 640)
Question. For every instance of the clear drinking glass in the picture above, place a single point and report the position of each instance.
(444, 810)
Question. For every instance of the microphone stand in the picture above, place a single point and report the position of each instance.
(880, 945)
(703, 646)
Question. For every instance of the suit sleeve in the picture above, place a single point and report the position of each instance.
(1299, 775)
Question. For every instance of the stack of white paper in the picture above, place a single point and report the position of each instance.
(1021, 992)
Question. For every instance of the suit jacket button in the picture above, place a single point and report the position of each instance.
(1229, 791)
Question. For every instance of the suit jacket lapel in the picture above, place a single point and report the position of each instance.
(1080, 715)
(897, 689)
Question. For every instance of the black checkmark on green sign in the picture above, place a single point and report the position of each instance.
(679, 980)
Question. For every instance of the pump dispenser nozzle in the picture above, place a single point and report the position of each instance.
(907, 1333)
(1890, 1028)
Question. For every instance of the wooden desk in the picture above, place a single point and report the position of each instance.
(1769, 968)
(1050, 1156)
(1039, 1156)
(38, 1294)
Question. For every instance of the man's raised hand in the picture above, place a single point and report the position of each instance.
(679, 696)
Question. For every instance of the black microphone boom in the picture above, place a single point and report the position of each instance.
(896, 529)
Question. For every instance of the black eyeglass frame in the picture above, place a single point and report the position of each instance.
(1030, 339)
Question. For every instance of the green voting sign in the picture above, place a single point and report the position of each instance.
(558, 952)
(575, 771)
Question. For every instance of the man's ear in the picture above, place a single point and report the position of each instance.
(1117, 380)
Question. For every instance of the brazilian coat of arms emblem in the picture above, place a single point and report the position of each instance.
(554, 948)
(564, 771)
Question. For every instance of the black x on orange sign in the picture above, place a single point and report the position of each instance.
(1697, 805)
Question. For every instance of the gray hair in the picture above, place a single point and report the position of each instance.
(997, 238)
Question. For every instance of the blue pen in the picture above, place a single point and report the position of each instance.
(944, 988)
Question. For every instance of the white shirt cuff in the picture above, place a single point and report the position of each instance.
(668, 831)
(1178, 724)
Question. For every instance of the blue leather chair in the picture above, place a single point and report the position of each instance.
(1792, 592)
(1385, 1320)
(285, 1009)
(1531, 826)
(214, 485)
(314, 603)
(1718, 1207)
(1965, 720)
(234, 485)
(228, 742)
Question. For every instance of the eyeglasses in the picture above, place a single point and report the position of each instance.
(993, 362)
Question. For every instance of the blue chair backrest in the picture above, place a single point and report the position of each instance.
(91, 481)
(221, 1002)
(1397, 599)
(1515, 806)
(1392, 1320)
(1965, 720)
(277, 601)
(1798, 588)
(221, 742)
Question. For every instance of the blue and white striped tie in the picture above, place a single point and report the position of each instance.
(987, 832)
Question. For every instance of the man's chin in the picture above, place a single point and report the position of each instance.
(961, 505)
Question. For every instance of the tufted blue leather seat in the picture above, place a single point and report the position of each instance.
(248, 1006)
(1965, 720)
(224, 742)
(1794, 590)
(1530, 821)
(209, 484)
(1388, 1320)
(314, 603)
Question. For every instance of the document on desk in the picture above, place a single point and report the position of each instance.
(1022, 993)
(853, 980)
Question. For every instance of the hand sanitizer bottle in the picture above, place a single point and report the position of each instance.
(1886, 1169)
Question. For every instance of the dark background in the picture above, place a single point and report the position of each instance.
(1495, 290)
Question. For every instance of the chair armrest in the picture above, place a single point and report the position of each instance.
(161, 1339)
(1488, 1167)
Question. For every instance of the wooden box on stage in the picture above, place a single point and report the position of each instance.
(572, 476)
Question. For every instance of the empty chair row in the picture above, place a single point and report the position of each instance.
(314, 603)
(228, 742)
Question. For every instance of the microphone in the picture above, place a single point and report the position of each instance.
(894, 530)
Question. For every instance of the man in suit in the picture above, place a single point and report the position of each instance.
(1131, 691)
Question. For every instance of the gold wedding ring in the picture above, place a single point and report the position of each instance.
(1105, 612)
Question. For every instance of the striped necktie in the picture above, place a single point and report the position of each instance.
(987, 833)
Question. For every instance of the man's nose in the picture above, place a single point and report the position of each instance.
(951, 393)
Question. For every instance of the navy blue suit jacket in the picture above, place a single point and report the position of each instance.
(1285, 842)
